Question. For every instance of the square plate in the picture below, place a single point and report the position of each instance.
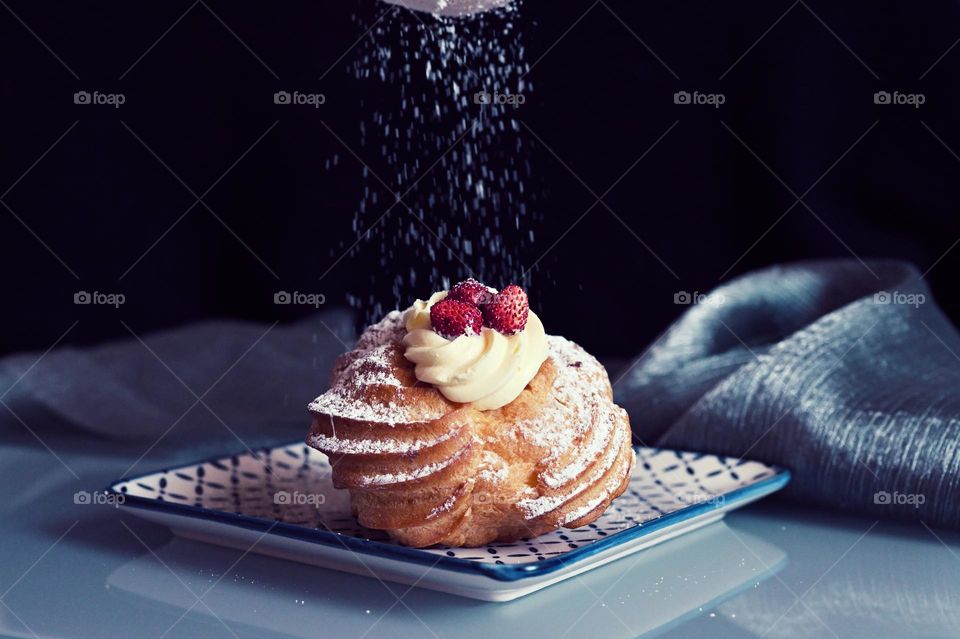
(281, 502)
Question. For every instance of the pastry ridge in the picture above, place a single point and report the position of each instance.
(430, 471)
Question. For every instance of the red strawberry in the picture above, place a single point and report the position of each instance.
(453, 318)
(472, 292)
(508, 311)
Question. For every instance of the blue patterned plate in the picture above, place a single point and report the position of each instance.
(281, 502)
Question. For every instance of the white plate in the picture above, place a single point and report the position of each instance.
(281, 502)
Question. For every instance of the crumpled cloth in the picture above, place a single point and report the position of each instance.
(205, 389)
(847, 374)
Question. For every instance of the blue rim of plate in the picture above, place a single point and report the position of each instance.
(499, 572)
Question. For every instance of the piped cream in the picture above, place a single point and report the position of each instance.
(488, 370)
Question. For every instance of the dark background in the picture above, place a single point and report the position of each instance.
(800, 97)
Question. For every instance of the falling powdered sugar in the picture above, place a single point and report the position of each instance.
(448, 176)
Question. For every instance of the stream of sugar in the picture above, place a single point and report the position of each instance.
(439, 123)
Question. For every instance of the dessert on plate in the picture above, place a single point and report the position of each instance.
(461, 422)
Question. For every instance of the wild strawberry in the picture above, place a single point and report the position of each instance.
(453, 318)
(472, 292)
(508, 311)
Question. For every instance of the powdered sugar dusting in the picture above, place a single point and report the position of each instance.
(493, 468)
(612, 484)
(375, 366)
(536, 507)
(382, 479)
(376, 446)
(445, 506)
(389, 329)
(376, 369)
(603, 428)
(343, 407)
(576, 406)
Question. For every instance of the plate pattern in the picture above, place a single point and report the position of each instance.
(293, 484)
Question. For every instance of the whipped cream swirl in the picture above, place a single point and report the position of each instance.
(487, 370)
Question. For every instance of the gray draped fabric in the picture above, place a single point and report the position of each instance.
(196, 391)
(847, 374)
